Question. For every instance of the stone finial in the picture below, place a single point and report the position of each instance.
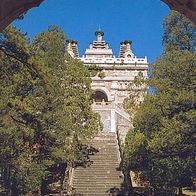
(99, 35)
(72, 48)
(125, 49)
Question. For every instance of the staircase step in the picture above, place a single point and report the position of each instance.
(102, 173)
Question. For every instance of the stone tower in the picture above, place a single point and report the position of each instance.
(113, 87)
(72, 48)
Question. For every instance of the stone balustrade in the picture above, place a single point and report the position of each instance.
(135, 61)
(110, 106)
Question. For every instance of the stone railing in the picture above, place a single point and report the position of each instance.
(69, 180)
(109, 106)
(135, 61)
(101, 103)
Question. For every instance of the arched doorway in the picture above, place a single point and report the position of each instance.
(100, 96)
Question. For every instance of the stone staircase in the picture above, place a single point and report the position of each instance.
(102, 176)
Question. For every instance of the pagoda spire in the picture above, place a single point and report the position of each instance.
(99, 29)
(99, 48)
(99, 35)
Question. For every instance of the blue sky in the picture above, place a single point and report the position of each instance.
(136, 20)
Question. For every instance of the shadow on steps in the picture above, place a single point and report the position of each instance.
(87, 162)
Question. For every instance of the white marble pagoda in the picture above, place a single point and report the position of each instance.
(114, 86)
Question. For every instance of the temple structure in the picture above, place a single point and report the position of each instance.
(112, 82)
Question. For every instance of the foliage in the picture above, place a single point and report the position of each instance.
(137, 93)
(162, 142)
(44, 108)
(101, 74)
(94, 69)
(179, 33)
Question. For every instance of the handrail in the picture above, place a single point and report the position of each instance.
(127, 180)
(110, 105)
(119, 146)
(70, 179)
(122, 112)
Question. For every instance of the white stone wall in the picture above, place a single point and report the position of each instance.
(123, 126)
(116, 83)
(105, 119)
(113, 118)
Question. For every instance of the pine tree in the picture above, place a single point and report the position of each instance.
(45, 109)
(162, 143)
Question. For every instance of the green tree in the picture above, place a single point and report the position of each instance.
(44, 109)
(179, 33)
(162, 143)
